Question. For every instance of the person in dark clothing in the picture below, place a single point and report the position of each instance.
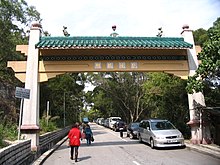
(121, 126)
(88, 133)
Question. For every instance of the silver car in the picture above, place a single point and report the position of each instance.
(160, 133)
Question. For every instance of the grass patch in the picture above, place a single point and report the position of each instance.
(48, 125)
(8, 132)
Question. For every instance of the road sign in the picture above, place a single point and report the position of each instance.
(22, 93)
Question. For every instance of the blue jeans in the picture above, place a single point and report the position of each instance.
(88, 139)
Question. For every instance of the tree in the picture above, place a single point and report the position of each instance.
(167, 99)
(200, 36)
(61, 90)
(208, 71)
(15, 15)
(120, 94)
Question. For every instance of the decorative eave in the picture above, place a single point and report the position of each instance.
(112, 43)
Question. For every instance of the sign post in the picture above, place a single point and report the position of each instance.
(23, 94)
(20, 116)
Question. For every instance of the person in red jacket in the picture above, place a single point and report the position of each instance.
(74, 136)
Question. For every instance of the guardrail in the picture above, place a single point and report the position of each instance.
(20, 153)
(17, 153)
(48, 140)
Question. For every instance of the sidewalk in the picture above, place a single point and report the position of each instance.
(210, 149)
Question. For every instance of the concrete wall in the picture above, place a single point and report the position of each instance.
(20, 153)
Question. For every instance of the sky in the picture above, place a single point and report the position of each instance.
(140, 18)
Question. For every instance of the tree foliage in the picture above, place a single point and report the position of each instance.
(168, 99)
(65, 95)
(136, 96)
(15, 15)
(200, 36)
(208, 71)
(120, 94)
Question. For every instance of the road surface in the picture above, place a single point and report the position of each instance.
(109, 149)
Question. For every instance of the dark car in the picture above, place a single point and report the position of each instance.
(132, 130)
(119, 125)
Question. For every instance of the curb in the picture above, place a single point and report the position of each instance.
(204, 150)
(45, 155)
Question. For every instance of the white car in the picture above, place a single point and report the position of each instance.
(112, 121)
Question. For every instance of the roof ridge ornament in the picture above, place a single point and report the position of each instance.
(160, 32)
(114, 34)
(36, 25)
(65, 32)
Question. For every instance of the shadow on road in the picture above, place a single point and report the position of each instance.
(84, 158)
(166, 148)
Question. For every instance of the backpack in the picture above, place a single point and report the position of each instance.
(87, 131)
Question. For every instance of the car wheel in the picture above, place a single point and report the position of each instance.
(140, 139)
(152, 143)
(131, 136)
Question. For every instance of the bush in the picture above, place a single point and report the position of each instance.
(11, 132)
(8, 132)
(48, 127)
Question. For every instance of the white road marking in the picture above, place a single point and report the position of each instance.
(124, 140)
(136, 163)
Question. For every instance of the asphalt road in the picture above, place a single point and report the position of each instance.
(109, 149)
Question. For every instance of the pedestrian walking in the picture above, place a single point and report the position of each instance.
(88, 133)
(74, 136)
(121, 127)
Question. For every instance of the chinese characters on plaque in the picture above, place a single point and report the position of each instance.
(120, 65)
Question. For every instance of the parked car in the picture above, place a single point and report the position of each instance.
(112, 121)
(99, 121)
(106, 123)
(132, 130)
(119, 125)
(160, 133)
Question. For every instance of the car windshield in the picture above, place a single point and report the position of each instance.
(135, 125)
(161, 125)
(115, 119)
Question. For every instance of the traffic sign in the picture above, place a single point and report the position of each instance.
(22, 93)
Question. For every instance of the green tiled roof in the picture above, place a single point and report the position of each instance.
(112, 42)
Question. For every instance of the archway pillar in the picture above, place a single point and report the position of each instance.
(30, 117)
(200, 133)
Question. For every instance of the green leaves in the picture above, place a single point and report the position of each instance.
(194, 85)
(200, 36)
(208, 69)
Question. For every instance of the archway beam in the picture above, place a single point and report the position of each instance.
(50, 69)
